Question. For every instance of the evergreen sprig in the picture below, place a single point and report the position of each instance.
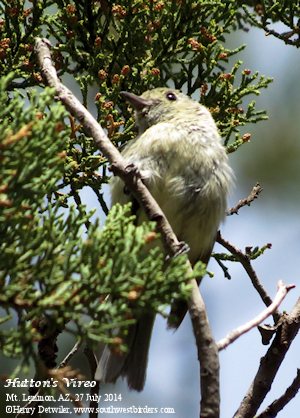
(266, 14)
(56, 262)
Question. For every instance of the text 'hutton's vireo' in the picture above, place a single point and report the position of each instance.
(183, 163)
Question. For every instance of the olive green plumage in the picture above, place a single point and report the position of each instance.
(180, 155)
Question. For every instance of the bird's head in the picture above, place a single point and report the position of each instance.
(160, 105)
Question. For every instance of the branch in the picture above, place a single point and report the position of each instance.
(245, 260)
(207, 353)
(238, 332)
(256, 190)
(71, 354)
(277, 406)
(270, 363)
(266, 15)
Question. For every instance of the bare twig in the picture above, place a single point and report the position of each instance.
(101, 200)
(270, 364)
(207, 353)
(71, 354)
(34, 402)
(223, 267)
(235, 334)
(245, 260)
(284, 36)
(257, 189)
(278, 405)
(263, 23)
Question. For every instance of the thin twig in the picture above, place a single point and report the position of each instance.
(278, 405)
(71, 354)
(101, 200)
(245, 260)
(257, 189)
(77, 199)
(207, 353)
(270, 363)
(238, 332)
(223, 267)
(62, 364)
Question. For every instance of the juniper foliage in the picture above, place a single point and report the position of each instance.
(56, 260)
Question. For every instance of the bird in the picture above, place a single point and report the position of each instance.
(183, 162)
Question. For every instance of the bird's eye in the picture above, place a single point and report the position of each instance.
(171, 96)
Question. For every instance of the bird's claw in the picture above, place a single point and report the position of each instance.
(182, 248)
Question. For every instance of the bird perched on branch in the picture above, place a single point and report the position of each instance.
(180, 156)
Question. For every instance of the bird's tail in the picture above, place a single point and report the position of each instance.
(133, 364)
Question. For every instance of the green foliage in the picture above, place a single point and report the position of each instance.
(112, 46)
(32, 159)
(55, 260)
(89, 282)
(264, 14)
(134, 46)
(32, 142)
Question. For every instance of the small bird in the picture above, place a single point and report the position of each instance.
(182, 161)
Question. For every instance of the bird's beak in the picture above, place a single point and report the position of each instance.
(136, 101)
